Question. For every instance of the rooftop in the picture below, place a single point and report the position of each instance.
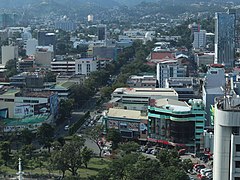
(173, 105)
(27, 120)
(124, 113)
(146, 91)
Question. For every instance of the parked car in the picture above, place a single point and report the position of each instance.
(198, 167)
(66, 128)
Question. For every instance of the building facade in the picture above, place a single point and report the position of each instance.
(167, 69)
(8, 53)
(199, 39)
(225, 39)
(130, 123)
(226, 164)
(139, 98)
(85, 66)
(177, 124)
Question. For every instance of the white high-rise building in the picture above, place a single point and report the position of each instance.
(199, 39)
(8, 53)
(226, 162)
(31, 46)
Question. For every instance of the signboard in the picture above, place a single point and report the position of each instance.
(22, 111)
(113, 124)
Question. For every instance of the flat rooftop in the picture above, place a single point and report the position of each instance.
(173, 105)
(27, 120)
(146, 91)
(124, 113)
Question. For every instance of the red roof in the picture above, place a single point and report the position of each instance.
(162, 55)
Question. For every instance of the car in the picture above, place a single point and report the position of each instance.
(149, 151)
(204, 170)
(198, 167)
(66, 128)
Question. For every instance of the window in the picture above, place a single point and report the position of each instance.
(79, 68)
(235, 131)
(9, 100)
(237, 178)
(237, 164)
(237, 147)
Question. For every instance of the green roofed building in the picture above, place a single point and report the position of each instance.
(175, 123)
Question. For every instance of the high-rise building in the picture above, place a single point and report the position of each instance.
(225, 39)
(7, 20)
(66, 25)
(226, 162)
(8, 53)
(101, 32)
(214, 85)
(45, 38)
(199, 39)
(236, 12)
(31, 45)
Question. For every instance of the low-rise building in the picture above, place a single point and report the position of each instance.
(44, 55)
(16, 103)
(175, 123)
(85, 66)
(130, 123)
(183, 86)
(148, 81)
(69, 77)
(139, 98)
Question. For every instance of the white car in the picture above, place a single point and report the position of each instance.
(66, 127)
(202, 171)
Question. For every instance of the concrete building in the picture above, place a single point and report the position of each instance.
(225, 39)
(46, 38)
(20, 103)
(199, 39)
(69, 77)
(169, 68)
(63, 89)
(85, 66)
(44, 55)
(144, 81)
(90, 18)
(8, 53)
(60, 66)
(66, 25)
(183, 86)
(27, 80)
(31, 45)
(101, 32)
(26, 65)
(213, 87)
(204, 58)
(175, 123)
(226, 162)
(131, 124)
(139, 98)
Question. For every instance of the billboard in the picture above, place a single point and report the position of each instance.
(22, 111)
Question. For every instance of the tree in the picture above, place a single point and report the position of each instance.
(45, 135)
(86, 156)
(5, 150)
(50, 77)
(129, 147)
(58, 162)
(95, 134)
(114, 136)
(11, 67)
(27, 136)
(27, 151)
(70, 156)
(65, 108)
